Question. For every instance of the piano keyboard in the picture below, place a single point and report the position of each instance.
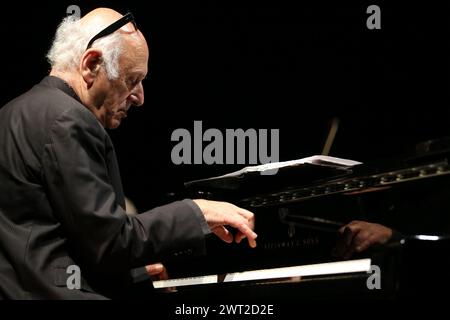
(339, 267)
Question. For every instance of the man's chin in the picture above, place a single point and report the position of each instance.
(114, 123)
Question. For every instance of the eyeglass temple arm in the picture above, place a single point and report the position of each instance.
(113, 27)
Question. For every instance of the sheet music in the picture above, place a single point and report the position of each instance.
(317, 159)
(272, 167)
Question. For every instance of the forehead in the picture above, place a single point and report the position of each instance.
(134, 58)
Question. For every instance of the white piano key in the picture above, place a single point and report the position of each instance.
(185, 281)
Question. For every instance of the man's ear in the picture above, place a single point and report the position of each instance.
(90, 65)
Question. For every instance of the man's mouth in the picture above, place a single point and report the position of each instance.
(122, 112)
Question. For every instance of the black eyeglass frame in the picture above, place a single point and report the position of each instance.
(113, 27)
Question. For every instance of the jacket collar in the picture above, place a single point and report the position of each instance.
(55, 82)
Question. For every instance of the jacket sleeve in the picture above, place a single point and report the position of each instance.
(96, 227)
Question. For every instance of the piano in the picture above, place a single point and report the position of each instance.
(297, 222)
(413, 268)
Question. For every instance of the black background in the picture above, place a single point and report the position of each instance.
(293, 67)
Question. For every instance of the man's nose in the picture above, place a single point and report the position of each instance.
(136, 96)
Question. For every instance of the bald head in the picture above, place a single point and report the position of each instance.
(73, 36)
(100, 18)
(108, 75)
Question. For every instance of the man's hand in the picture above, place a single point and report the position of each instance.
(358, 236)
(157, 271)
(221, 214)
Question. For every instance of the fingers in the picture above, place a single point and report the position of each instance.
(348, 240)
(361, 242)
(358, 236)
(248, 215)
(252, 242)
(246, 232)
(164, 275)
(223, 233)
(351, 243)
(239, 236)
(345, 246)
(348, 236)
(157, 272)
(220, 214)
(371, 238)
(154, 269)
(251, 224)
(363, 245)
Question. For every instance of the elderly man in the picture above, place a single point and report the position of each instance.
(61, 199)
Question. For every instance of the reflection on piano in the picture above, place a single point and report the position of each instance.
(414, 267)
(297, 223)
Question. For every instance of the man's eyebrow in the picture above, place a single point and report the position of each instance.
(138, 73)
(142, 76)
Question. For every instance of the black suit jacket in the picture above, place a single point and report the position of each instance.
(62, 204)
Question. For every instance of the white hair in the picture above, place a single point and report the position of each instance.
(70, 43)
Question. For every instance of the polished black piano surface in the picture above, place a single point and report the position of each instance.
(412, 268)
(297, 221)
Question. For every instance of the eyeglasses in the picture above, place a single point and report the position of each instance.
(113, 27)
